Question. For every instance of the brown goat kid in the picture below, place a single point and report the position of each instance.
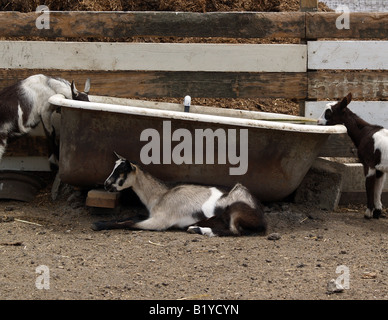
(372, 149)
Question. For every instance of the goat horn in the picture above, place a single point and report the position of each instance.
(118, 156)
(87, 86)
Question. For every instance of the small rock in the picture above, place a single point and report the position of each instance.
(334, 287)
(7, 219)
(274, 236)
(285, 207)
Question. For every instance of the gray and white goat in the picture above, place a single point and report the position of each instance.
(202, 209)
(25, 104)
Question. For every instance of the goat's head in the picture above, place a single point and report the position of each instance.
(122, 176)
(335, 111)
(81, 96)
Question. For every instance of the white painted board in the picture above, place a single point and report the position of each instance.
(153, 56)
(348, 55)
(374, 112)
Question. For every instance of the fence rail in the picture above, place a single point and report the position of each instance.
(118, 25)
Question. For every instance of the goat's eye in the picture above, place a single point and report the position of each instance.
(328, 114)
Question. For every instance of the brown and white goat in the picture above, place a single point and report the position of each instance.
(24, 104)
(202, 209)
(372, 149)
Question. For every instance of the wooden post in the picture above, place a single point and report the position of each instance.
(306, 6)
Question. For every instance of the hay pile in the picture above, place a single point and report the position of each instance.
(153, 5)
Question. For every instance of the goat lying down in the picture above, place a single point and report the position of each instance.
(24, 104)
(372, 149)
(202, 209)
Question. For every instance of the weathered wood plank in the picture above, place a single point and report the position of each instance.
(116, 25)
(362, 25)
(154, 84)
(334, 85)
(348, 55)
(28, 146)
(375, 112)
(153, 56)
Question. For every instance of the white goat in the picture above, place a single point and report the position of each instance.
(24, 104)
(202, 209)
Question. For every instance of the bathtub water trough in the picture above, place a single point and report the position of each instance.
(269, 153)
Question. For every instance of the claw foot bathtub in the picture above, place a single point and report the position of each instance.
(268, 153)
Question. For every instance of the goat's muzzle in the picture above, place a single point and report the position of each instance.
(108, 186)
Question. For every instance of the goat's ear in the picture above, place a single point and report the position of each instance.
(349, 97)
(87, 86)
(74, 90)
(133, 166)
(118, 156)
(345, 101)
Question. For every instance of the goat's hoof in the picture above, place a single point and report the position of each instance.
(194, 229)
(201, 230)
(376, 213)
(368, 214)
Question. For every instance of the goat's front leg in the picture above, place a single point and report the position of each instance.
(46, 121)
(53, 146)
(370, 192)
(379, 184)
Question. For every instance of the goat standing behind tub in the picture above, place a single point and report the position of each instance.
(372, 149)
(201, 209)
(24, 104)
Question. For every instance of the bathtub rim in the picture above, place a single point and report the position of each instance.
(61, 101)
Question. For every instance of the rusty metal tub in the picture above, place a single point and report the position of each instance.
(268, 153)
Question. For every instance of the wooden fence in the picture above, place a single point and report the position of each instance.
(324, 64)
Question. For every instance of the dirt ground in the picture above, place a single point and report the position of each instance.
(123, 264)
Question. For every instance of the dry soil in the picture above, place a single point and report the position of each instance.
(124, 264)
